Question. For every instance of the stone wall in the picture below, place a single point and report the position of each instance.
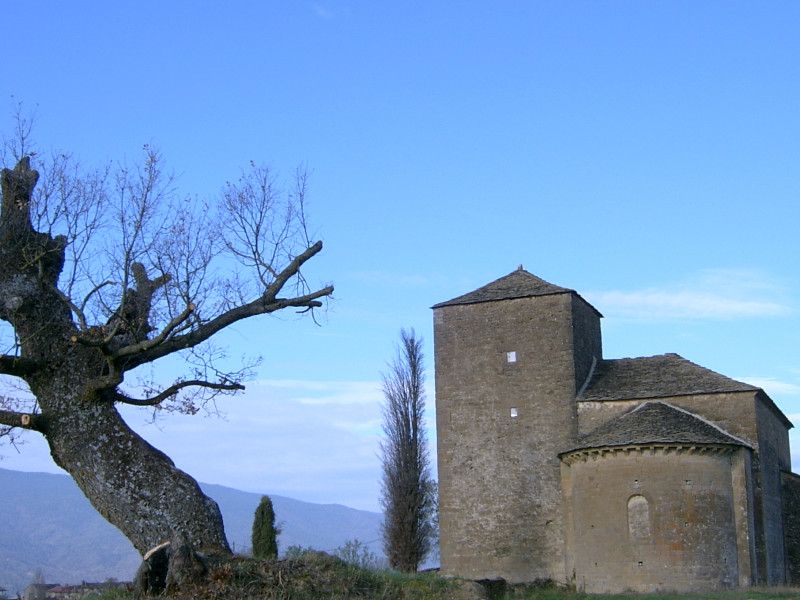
(505, 388)
(587, 340)
(752, 417)
(735, 412)
(773, 458)
(657, 519)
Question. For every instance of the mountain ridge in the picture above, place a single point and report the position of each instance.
(49, 524)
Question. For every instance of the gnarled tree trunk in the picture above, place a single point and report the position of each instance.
(133, 485)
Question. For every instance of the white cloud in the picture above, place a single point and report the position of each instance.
(711, 294)
(773, 387)
(314, 441)
(321, 11)
(320, 392)
(291, 438)
(311, 440)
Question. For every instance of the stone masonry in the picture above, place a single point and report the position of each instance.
(610, 475)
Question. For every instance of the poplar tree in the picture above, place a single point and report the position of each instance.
(407, 491)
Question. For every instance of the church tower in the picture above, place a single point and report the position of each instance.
(510, 359)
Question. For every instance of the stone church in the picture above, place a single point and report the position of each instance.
(639, 474)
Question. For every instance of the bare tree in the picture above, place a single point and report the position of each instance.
(407, 493)
(104, 272)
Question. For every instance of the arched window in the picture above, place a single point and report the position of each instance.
(638, 517)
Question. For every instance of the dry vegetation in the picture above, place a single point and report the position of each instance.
(316, 575)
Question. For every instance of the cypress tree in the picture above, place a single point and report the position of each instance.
(265, 533)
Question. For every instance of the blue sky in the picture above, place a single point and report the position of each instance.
(644, 154)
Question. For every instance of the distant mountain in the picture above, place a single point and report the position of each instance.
(47, 523)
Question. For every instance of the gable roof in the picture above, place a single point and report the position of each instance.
(656, 377)
(657, 422)
(517, 284)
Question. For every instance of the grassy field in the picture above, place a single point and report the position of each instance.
(317, 576)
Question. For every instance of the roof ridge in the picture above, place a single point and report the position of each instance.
(665, 424)
(696, 416)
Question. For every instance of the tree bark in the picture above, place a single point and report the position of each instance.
(133, 485)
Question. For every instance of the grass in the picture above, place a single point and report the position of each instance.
(315, 575)
(312, 576)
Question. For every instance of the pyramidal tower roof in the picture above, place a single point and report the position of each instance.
(517, 284)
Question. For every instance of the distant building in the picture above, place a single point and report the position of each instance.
(55, 591)
(637, 474)
(37, 591)
(63, 592)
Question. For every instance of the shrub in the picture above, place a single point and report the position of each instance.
(357, 553)
(265, 533)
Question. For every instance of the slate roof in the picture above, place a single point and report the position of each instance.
(656, 422)
(517, 284)
(656, 377)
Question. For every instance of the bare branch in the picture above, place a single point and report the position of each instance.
(32, 421)
(174, 389)
(70, 202)
(159, 339)
(16, 365)
(80, 312)
(138, 354)
(20, 143)
(97, 385)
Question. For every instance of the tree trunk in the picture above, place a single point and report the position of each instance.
(133, 485)
(136, 487)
